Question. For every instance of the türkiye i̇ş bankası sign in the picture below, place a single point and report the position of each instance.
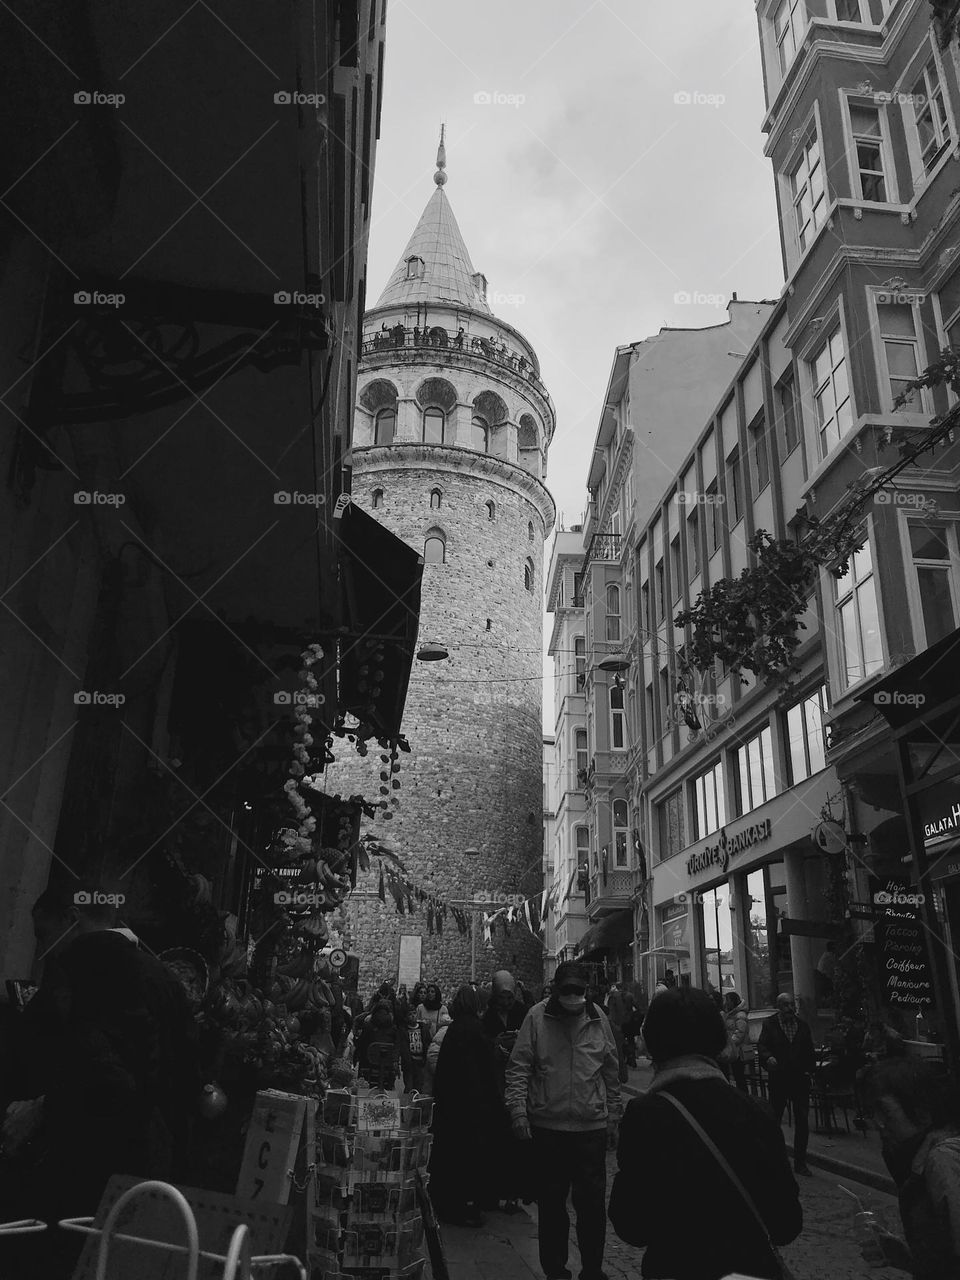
(900, 942)
(726, 847)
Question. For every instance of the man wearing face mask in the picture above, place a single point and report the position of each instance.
(563, 1094)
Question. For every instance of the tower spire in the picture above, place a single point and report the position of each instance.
(440, 177)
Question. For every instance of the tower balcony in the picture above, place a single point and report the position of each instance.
(448, 346)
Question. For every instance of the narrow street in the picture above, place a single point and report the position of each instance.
(505, 1248)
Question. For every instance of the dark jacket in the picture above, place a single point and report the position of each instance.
(795, 1058)
(382, 1052)
(672, 1196)
(118, 1068)
(501, 1031)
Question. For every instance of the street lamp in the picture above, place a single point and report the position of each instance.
(432, 652)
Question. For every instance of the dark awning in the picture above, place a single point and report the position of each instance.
(380, 579)
(610, 934)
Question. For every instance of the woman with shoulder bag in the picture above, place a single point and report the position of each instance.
(693, 1130)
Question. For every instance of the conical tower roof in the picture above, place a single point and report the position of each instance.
(447, 274)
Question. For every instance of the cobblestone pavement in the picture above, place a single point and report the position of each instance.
(505, 1248)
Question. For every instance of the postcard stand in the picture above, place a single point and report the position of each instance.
(364, 1220)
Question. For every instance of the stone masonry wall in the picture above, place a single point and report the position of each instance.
(474, 776)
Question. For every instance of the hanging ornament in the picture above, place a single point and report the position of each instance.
(213, 1101)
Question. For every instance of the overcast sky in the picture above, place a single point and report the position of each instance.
(583, 189)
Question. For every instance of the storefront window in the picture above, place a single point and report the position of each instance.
(769, 968)
(717, 939)
(673, 956)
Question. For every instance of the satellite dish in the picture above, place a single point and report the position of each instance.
(830, 837)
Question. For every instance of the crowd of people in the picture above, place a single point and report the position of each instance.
(528, 1104)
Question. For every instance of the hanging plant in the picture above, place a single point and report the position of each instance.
(752, 623)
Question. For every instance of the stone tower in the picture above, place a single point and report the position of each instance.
(450, 447)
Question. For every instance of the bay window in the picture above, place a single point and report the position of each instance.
(900, 345)
(933, 548)
(805, 736)
(808, 191)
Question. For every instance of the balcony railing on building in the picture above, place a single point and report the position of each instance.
(444, 342)
(603, 546)
(613, 893)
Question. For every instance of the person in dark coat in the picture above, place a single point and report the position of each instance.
(466, 1115)
(383, 1048)
(785, 1051)
(110, 1051)
(665, 1167)
(501, 1020)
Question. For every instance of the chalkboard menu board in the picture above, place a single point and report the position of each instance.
(901, 942)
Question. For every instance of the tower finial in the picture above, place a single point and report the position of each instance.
(440, 177)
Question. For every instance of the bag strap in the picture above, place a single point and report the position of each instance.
(725, 1165)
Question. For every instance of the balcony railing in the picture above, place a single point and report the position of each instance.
(617, 891)
(440, 341)
(603, 546)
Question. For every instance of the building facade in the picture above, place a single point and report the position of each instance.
(164, 362)
(731, 783)
(450, 448)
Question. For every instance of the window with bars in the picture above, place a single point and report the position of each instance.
(831, 393)
(755, 774)
(709, 804)
(808, 191)
(805, 741)
(857, 625)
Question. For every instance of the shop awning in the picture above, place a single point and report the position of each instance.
(380, 578)
(609, 934)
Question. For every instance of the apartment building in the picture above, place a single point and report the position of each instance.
(727, 785)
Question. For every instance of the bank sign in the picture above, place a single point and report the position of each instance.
(718, 855)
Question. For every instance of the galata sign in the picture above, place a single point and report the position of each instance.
(718, 855)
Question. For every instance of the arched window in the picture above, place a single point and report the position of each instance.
(528, 574)
(479, 435)
(583, 754)
(434, 549)
(621, 830)
(529, 530)
(415, 268)
(613, 613)
(377, 498)
(385, 426)
(491, 511)
(434, 426)
(435, 499)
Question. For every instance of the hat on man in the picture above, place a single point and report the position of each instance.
(571, 972)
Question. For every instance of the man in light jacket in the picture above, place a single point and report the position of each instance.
(563, 1094)
(738, 1034)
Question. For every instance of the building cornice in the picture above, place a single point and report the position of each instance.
(438, 458)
